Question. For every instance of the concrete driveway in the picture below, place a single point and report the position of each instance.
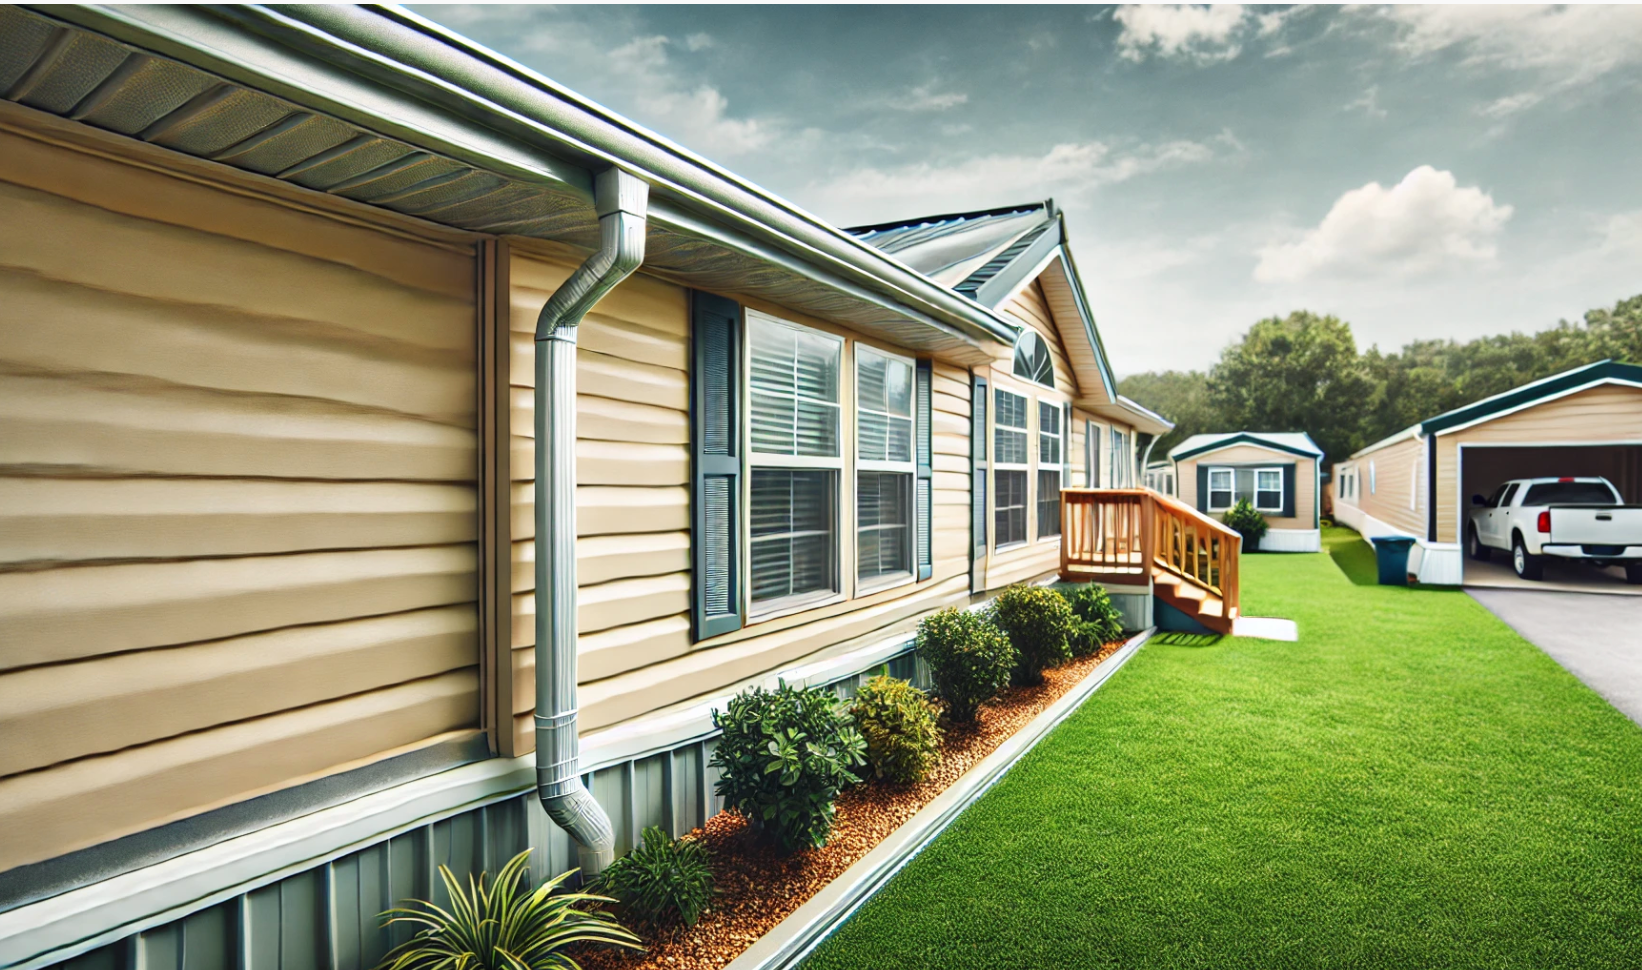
(1597, 638)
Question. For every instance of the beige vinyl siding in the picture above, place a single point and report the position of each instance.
(1032, 308)
(237, 503)
(1305, 480)
(1393, 471)
(633, 505)
(1608, 413)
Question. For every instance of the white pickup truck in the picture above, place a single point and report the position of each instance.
(1570, 518)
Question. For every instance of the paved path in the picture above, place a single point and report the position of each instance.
(1597, 638)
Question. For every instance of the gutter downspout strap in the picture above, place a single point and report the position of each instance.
(621, 201)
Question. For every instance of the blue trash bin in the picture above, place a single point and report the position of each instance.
(1391, 553)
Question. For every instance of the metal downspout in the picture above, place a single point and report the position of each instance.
(620, 200)
(1146, 459)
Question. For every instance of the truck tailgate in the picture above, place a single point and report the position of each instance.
(1597, 525)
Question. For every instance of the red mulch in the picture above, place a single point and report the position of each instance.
(759, 886)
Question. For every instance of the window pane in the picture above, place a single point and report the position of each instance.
(1048, 504)
(794, 390)
(1010, 448)
(1011, 410)
(883, 519)
(884, 393)
(1010, 506)
(792, 528)
(1048, 433)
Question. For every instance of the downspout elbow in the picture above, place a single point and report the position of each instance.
(620, 201)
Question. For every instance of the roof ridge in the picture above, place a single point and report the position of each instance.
(947, 217)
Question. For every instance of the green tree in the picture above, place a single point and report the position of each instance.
(1182, 396)
(1295, 373)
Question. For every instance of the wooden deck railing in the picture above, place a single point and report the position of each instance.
(1119, 535)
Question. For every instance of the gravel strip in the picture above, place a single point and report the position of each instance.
(759, 886)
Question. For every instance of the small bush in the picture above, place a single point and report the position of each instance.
(1250, 524)
(784, 757)
(969, 659)
(493, 926)
(1097, 621)
(898, 722)
(1038, 622)
(661, 879)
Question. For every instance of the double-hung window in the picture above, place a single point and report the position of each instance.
(796, 463)
(1011, 462)
(1050, 445)
(1268, 489)
(1221, 489)
(885, 468)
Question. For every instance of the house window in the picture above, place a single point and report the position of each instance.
(796, 463)
(1372, 489)
(1049, 466)
(1032, 361)
(1220, 489)
(1011, 464)
(1120, 460)
(1268, 489)
(885, 469)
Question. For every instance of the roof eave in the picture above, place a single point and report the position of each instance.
(385, 67)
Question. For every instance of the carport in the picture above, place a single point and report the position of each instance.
(1419, 482)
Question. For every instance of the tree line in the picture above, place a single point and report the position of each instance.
(1303, 372)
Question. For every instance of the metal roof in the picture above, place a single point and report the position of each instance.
(381, 107)
(961, 250)
(1294, 442)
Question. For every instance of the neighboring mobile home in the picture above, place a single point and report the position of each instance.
(378, 413)
(1277, 472)
(1419, 482)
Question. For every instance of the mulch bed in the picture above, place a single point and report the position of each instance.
(759, 886)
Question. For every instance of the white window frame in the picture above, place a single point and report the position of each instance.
(1002, 466)
(1060, 438)
(909, 468)
(1230, 489)
(843, 492)
(1278, 471)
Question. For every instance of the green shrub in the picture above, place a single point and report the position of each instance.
(1249, 523)
(1096, 621)
(969, 659)
(502, 925)
(1038, 622)
(661, 878)
(899, 725)
(784, 757)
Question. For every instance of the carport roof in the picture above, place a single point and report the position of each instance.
(1601, 372)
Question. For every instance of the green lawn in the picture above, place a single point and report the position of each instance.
(1410, 785)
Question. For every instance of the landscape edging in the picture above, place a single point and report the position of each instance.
(794, 938)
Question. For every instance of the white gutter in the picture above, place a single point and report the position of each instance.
(620, 201)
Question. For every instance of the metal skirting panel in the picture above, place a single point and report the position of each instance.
(326, 918)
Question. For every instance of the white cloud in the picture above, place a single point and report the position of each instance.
(698, 42)
(1199, 33)
(925, 98)
(1622, 236)
(696, 116)
(1422, 224)
(1067, 171)
(1369, 103)
(1510, 104)
(1574, 44)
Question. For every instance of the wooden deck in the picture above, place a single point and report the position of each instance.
(1135, 536)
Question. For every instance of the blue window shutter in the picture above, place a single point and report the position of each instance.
(717, 465)
(1092, 459)
(923, 404)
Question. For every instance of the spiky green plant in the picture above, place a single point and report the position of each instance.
(502, 925)
(663, 878)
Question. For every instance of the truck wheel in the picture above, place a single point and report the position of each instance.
(1478, 551)
(1526, 566)
(1633, 573)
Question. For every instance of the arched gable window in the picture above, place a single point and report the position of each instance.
(1032, 360)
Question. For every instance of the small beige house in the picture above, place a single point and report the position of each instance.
(1419, 482)
(384, 424)
(1279, 473)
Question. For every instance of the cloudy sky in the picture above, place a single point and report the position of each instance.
(1419, 171)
